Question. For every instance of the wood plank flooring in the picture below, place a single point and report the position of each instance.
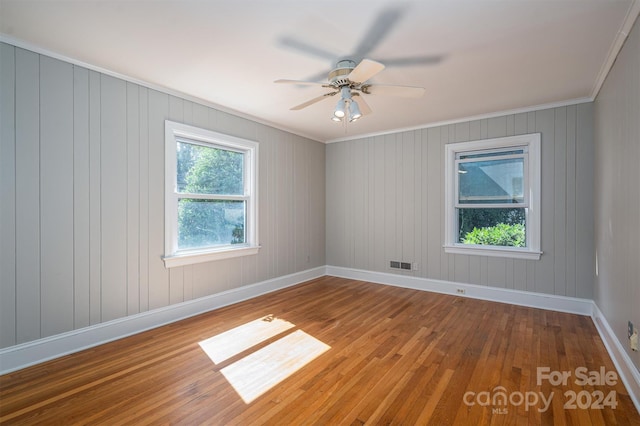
(396, 356)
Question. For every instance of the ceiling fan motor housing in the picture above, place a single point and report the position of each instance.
(339, 75)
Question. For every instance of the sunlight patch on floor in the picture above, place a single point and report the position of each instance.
(258, 372)
(225, 345)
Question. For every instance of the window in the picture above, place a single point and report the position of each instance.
(210, 195)
(493, 197)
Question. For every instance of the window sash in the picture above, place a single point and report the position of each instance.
(208, 235)
(213, 197)
(494, 156)
(208, 145)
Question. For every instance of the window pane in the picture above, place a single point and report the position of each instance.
(206, 223)
(491, 181)
(496, 227)
(209, 170)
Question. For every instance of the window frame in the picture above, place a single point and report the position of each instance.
(531, 185)
(179, 132)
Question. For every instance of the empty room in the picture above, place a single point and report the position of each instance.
(326, 212)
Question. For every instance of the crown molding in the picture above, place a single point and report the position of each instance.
(616, 46)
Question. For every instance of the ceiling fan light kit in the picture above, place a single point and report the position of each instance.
(340, 110)
(346, 105)
(354, 111)
(350, 80)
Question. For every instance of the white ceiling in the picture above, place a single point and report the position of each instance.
(493, 56)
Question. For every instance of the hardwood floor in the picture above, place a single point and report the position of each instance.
(395, 356)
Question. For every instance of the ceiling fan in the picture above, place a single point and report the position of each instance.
(350, 81)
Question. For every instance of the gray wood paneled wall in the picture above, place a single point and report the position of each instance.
(617, 130)
(385, 202)
(82, 199)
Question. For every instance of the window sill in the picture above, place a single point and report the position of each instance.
(493, 251)
(192, 257)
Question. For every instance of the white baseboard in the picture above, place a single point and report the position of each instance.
(627, 370)
(551, 302)
(628, 373)
(31, 353)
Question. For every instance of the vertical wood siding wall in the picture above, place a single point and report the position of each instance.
(385, 202)
(82, 199)
(617, 130)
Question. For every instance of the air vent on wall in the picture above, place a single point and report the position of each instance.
(395, 264)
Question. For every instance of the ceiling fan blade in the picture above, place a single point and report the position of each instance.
(306, 83)
(312, 101)
(306, 48)
(401, 91)
(382, 25)
(414, 60)
(365, 70)
(364, 107)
